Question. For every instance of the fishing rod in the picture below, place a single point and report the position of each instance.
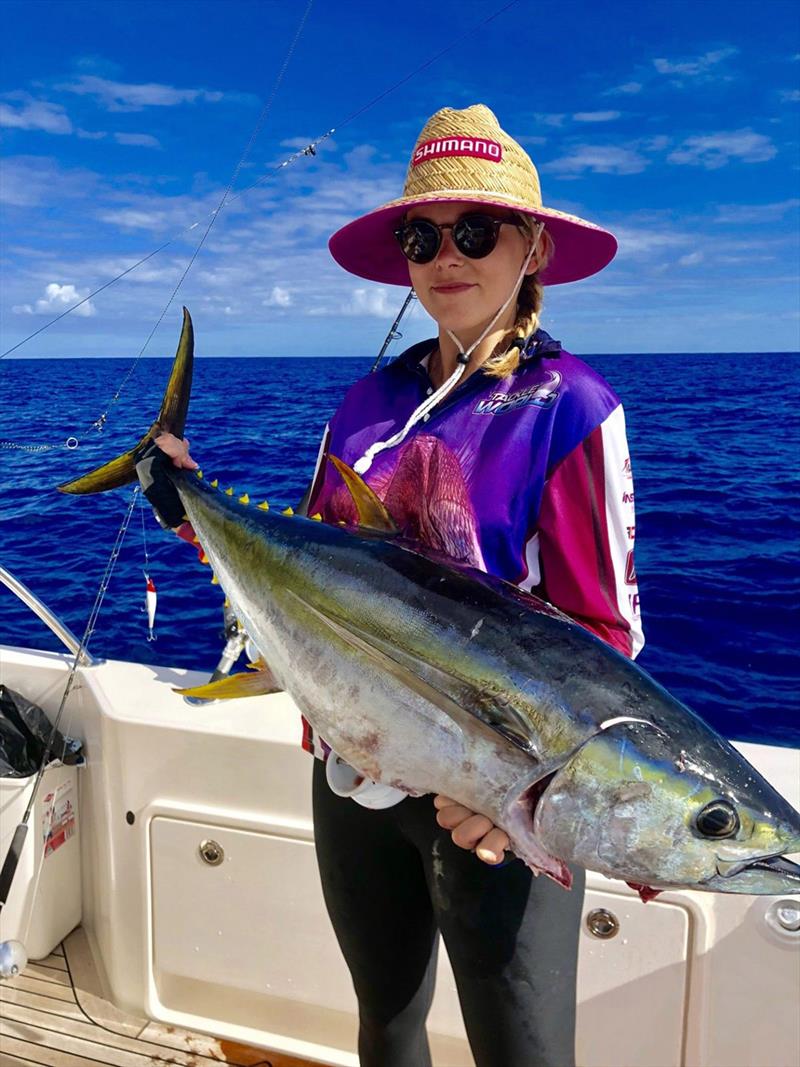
(393, 333)
(11, 862)
(12, 859)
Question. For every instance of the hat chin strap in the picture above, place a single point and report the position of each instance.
(362, 465)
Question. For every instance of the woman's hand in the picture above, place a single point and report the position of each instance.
(471, 831)
(177, 449)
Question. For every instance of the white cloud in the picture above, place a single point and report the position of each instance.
(626, 89)
(28, 181)
(57, 298)
(121, 96)
(541, 118)
(140, 140)
(596, 116)
(135, 210)
(91, 135)
(368, 302)
(716, 149)
(598, 159)
(699, 66)
(690, 259)
(280, 298)
(32, 114)
(790, 96)
(524, 140)
(655, 144)
(108, 267)
(755, 213)
(638, 241)
(134, 219)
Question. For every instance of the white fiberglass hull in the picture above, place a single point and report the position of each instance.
(242, 948)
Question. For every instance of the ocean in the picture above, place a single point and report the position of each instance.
(717, 500)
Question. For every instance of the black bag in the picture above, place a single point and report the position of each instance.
(24, 733)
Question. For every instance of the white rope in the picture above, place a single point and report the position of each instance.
(362, 465)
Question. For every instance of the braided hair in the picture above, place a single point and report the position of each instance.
(505, 358)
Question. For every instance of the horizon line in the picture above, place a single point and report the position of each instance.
(580, 355)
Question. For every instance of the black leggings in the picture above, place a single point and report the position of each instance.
(392, 879)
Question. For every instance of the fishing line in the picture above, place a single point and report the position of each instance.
(308, 150)
(144, 536)
(18, 841)
(151, 594)
(215, 213)
(98, 424)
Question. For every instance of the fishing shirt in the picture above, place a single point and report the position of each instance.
(527, 477)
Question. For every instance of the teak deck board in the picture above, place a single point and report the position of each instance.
(42, 1024)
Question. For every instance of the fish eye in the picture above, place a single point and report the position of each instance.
(717, 819)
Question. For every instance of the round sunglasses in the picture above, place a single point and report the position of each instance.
(474, 235)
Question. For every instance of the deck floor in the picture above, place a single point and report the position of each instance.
(45, 1021)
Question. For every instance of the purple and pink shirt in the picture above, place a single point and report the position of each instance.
(526, 477)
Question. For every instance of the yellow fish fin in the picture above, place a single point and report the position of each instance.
(371, 511)
(233, 686)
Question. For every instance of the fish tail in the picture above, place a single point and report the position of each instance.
(171, 419)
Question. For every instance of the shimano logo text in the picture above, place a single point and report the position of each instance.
(476, 147)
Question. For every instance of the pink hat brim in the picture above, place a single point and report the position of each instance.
(367, 246)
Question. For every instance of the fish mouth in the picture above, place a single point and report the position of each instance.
(784, 872)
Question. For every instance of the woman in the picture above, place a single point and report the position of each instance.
(493, 446)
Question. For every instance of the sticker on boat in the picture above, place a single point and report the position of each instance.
(58, 818)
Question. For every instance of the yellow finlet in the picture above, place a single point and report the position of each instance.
(195, 540)
(199, 473)
(214, 579)
(214, 484)
(244, 499)
(204, 558)
(263, 506)
(317, 517)
(371, 510)
(229, 491)
(288, 511)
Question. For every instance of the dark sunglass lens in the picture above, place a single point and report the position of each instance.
(419, 241)
(475, 235)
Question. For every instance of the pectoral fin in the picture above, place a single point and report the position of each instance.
(401, 670)
(248, 684)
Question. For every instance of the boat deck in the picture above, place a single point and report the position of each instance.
(49, 1017)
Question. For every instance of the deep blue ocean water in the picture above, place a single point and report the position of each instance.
(715, 456)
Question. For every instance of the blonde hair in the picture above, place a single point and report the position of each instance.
(505, 358)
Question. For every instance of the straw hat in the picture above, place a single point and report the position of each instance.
(465, 155)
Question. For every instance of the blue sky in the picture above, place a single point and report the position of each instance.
(676, 125)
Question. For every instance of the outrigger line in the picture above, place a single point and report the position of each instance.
(228, 197)
(100, 421)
